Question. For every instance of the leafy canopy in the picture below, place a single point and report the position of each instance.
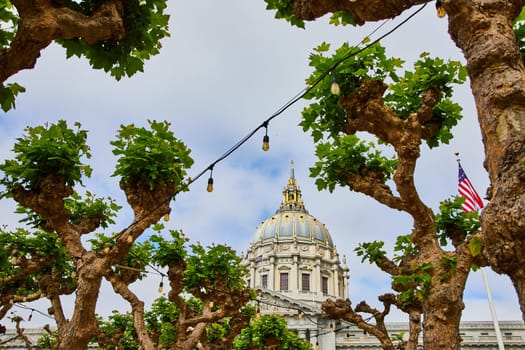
(341, 152)
(268, 330)
(152, 156)
(146, 25)
(46, 150)
(218, 262)
(20, 246)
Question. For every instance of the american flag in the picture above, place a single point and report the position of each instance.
(473, 201)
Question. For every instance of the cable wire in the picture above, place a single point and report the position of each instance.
(277, 113)
(303, 92)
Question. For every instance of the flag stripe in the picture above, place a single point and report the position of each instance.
(472, 199)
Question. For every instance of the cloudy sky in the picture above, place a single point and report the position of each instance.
(227, 67)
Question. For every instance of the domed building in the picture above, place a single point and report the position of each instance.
(294, 265)
(293, 262)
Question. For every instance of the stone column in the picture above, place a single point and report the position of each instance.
(253, 275)
(271, 274)
(294, 275)
(316, 279)
(335, 284)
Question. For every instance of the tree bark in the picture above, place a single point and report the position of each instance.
(78, 332)
(414, 324)
(441, 317)
(483, 31)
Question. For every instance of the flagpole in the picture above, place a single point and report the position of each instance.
(485, 279)
(492, 310)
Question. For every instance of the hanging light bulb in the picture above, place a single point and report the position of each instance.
(130, 239)
(331, 329)
(334, 88)
(440, 9)
(300, 314)
(258, 311)
(210, 184)
(167, 215)
(107, 250)
(266, 139)
(266, 143)
(161, 286)
(316, 345)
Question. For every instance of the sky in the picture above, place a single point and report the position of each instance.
(226, 68)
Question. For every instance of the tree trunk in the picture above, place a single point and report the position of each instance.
(414, 330)
(441, 318)
(80, 330)
(441, 333)
(483, 31)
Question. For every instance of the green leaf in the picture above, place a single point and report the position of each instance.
(8, 94)
(284, 10)
(475, 245)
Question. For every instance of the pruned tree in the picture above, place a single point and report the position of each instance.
(214, 277)
(47, 166)
(484, 32)
(196, 313)
(54, 258)
(342, 309)
(354, 105)
(116, 36)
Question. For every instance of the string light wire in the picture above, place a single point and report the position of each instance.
(22, 306)
(287, 105)
(304, 91)
(277, 113)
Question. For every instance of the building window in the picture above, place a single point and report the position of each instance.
(284, 280)
(324, 285)
(305, 282)
(264, 281)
